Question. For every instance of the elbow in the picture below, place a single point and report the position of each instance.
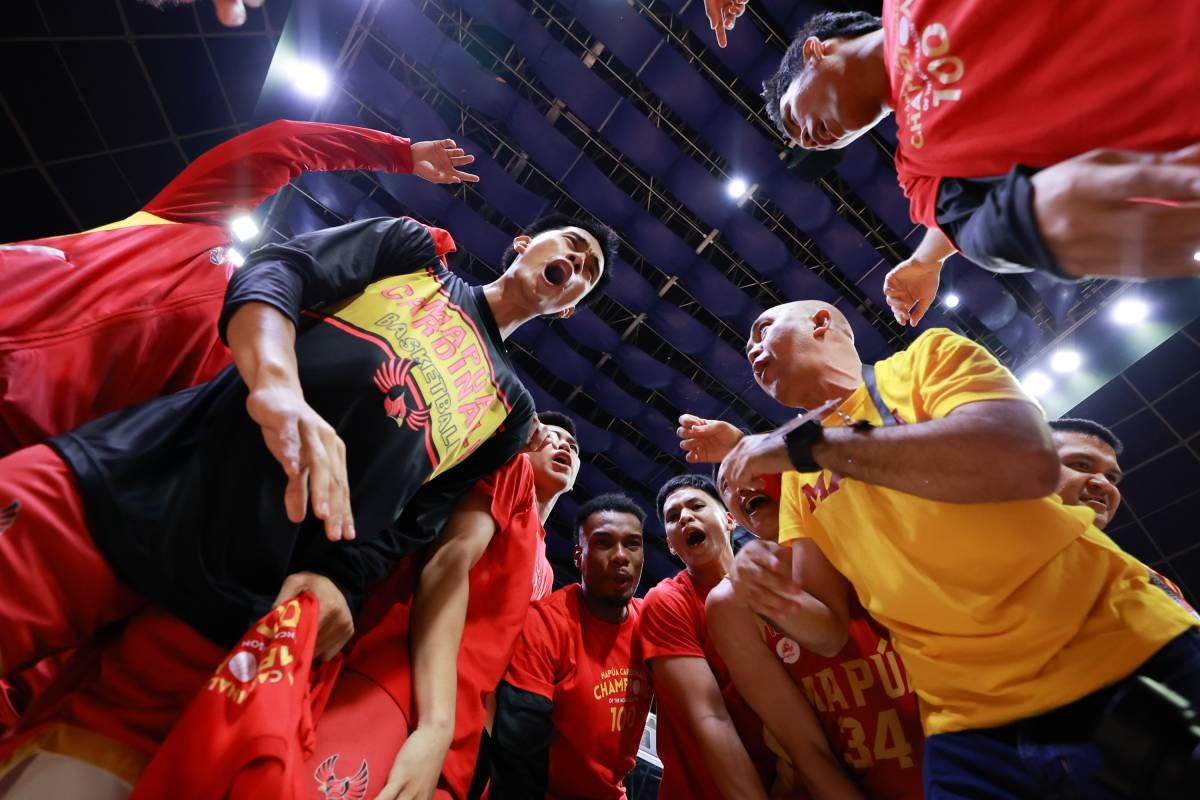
(832, 644)
(1035, 473)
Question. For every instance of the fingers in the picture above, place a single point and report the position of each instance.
(231, 13)
(465, 177)
(919, 310)
(292, 586)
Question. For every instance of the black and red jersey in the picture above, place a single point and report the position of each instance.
(185, 500)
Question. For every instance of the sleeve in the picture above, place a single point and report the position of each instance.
(793, 522)
(328, 265)
(669, 624)
(521, 736)
(991, 221)
(239, 174)
(536, 664)
(357, 566)
(949, 371)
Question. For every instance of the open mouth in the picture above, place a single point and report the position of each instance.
(556, 272)
(760, 366)
(696, 538)
(752, 504)
(563, 460)
(1099, 506)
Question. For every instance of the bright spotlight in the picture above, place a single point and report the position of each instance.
(1196, 256)
(1130, 312)
(951, 300)
(1037, 384)
(309, 79)
(244, 228)
(1065, 361)
(736, 188)
(235, 257)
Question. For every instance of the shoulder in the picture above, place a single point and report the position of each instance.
(670, 598)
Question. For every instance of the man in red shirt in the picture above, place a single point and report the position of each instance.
(374, 705)
(861, 694)
(103, 319)
(988, 153)
(709, 740)
(573, 704)
(100, 320)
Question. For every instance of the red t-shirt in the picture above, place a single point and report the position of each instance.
(500, 595)
(979, 86)
(866, 705)
(592, 671)
(673, 624)
(149, 287)
(247, 733)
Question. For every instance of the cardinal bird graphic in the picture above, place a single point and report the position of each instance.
(334, 788)
(394, 379)
(8, 515)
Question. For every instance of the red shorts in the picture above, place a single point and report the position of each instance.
(58, 589)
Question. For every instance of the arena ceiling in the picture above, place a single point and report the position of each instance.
(621, 110)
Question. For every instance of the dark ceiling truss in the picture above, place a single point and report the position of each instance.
(402, 67)
(562, 114)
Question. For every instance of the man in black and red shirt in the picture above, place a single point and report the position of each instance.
(179, 500)
(989, 153)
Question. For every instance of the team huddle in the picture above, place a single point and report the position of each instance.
(279, 528)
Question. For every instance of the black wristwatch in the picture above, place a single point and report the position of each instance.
(800, 443)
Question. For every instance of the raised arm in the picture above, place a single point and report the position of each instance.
(774, 696)
(438, 617)
(237, 175)
(911, 287)
(689, 685)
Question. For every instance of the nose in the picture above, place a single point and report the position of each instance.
(620, 555)
(754, 352)
(576, 258)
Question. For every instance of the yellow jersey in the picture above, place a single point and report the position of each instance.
(1001, 611)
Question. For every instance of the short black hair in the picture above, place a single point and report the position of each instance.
(1089, 428)
(604, 235)
(558, 420)
(689, 479)
(607, 502)
(823, 25)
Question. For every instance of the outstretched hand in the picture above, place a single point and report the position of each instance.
(706, 441)
(440, 162)
(722, 16)
(312, 456)
(910, 288)
(415, 771)
(1122, 213)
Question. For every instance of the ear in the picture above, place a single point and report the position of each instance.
(730, 524)
(814, 49)
(567, 313)
(821, 323)
(521, 243)
(578, 558)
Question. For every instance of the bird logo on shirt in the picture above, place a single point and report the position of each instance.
(334, 788)
(8, 515)
(394, 379)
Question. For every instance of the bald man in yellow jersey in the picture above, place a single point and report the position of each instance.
(928, 482)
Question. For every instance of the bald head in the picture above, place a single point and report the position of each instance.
(802, 353)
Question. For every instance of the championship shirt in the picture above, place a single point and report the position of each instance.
(592, 671)
(978, 85)
(100, 320)
(866, 705)
(964, 588)
(186, 502)
(673, 624)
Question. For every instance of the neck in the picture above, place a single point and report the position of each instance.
(842, 376)
(709, 574)
(604, 610)
(510, 313)
(866, 55)
(546, 503)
